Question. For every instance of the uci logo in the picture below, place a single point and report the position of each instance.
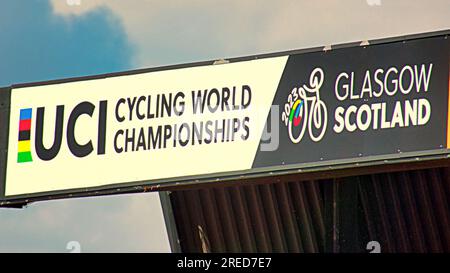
(48, 153)
(305, 110)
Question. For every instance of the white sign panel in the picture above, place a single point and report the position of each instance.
(141, 127)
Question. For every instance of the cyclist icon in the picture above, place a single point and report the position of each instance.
(304, 104)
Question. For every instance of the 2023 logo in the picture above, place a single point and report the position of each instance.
(304, 109)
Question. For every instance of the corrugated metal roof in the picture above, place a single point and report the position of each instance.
(404, 211)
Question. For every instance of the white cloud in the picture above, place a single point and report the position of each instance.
(167, 32)
(103, 224)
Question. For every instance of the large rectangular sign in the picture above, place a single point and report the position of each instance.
(353, 103)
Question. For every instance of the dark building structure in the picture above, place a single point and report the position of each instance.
(405, 211)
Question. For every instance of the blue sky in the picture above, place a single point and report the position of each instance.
(50, 39)
(38, 45)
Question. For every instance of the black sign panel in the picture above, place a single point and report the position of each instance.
(357, 102)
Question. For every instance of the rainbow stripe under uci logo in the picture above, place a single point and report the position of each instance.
(24, 147)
